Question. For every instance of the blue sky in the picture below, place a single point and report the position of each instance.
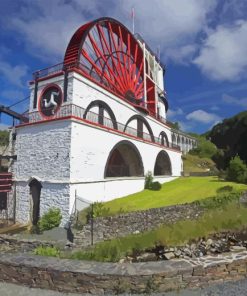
(202, 43)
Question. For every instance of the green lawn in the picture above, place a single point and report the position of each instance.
(179, 191)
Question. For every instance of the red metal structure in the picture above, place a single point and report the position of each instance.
(5, 182)
(109, 54)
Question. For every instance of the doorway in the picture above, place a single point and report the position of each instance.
(35, 190)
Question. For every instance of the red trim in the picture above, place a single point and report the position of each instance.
(40, 96)
(6, 190)
(50, 76)
(98, 125)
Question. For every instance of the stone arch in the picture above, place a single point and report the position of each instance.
(102, 106)
(162, 165)
(164, 139)
(124, 160)
(140, 122)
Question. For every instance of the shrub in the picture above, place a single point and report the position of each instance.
(99, 210)
(237, 171)
(155, 186)
(148, 180)
(47, 251)
(205, 148)
(52, 218)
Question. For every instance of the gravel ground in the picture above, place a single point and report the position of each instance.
(227, 289)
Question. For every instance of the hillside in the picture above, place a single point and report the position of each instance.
(230, 136)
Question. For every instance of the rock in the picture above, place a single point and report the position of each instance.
(178, 253)
(121, 261)
(136, 232)
(237, 249)
(187, 252)
(146, 257)
(169, 256)
(209, 242)
(243, 199)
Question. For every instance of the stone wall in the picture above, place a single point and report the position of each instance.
(114, 278)
(134, 222)
(11, 244)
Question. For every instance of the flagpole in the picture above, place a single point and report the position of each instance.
(133, 20)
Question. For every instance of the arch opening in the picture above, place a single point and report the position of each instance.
(162, 164)
(164, 139)
(101, 114)
(143, 129)
(124, 161)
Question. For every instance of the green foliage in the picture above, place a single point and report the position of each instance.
(148, 180)
(224, 197)
(99, 210)
(230, 136)
(175, 125)
(205, 148)
(156, 186)
(109, 252)
(47, 251)
(4, 138)
(237, 171)
(52, 218)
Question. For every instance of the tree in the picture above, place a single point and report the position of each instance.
(237, 170)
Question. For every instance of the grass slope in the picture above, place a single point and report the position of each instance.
(193, 163)
(179, 191)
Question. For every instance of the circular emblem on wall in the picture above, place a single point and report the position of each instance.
(50, 100)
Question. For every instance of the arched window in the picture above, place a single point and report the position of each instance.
(124, 161)
(139, 127)
(164, 139)
(162, 164)
(101, 113)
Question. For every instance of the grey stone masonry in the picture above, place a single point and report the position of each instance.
(115, 278)
(134, 222)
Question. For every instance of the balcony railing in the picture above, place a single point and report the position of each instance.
(59, 68)
(79, 112)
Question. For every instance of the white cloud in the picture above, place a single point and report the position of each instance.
(203, 117)
(48, 25)
(14, 74)
(223, 54)
(234, 101)
(173, 113)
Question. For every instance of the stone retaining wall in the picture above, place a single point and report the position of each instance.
(114, 278)
(134, 222)
(11, 244)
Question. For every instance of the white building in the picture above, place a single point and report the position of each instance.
(97, 125)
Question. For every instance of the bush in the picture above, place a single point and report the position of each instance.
(155, 186)
(50, 219)
(99, 210)
(47, 251)
(237, 171)
(205, 148)
(148, 180)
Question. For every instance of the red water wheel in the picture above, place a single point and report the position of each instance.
(107, 52)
